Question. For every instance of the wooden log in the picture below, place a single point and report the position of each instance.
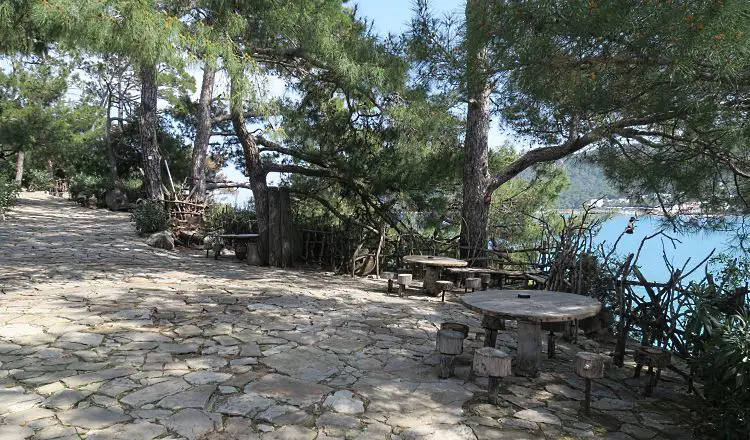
(450, 342)
(456, 327)
(492, 362)
(491, 325)
(529, 348)
(274, 228)
(390, 277)
(472, 283)
(431, 276)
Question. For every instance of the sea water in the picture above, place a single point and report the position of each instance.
(688, 247)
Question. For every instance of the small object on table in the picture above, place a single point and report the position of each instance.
(456, 327)
(472, 283)
(450, 344)
(491, 325)
(652, 357)
(390, 276)
(443, 286)
(485, 277)
(588, 366)
(403, 279)
(494, 363)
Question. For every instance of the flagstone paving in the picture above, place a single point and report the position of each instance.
(102, 337)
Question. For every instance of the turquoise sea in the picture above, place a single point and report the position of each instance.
(692, 246)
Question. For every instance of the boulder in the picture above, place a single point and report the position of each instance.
(161, 240)
(116, 200)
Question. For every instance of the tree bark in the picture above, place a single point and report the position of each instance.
(475, 208)
(255, 171)
(202, 135)
(151, 158)
(20, 155)
(111, 158)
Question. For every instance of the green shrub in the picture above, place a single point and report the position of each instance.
(724, 370)
(88, 185)
(231, 220)
(38, 180)
(150, 216)
(8, 192)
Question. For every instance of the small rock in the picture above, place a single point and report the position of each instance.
(161, 240)
(344, 402)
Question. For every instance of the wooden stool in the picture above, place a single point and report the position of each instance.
(494, 363)
(443, 286)
(652, 357)
(456, 327)
(390, 276)
(450, 344)
(472, 283)
(491, 325)
(485, 277)
(589, 366)
(403, 279)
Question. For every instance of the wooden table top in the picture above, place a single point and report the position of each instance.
(239, 236)
(540, 306)
(429, 260)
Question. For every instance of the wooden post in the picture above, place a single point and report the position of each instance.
(491, 325)
(431, 276)
(449, 344)
(286, 228)
(404, 279)
(274, 228)
(388, 276)
(529, 348)
(443, 286)
(485, 277)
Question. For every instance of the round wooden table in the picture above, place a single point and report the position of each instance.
(432, 266)
(530, 308)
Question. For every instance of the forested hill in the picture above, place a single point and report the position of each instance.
(587, 181)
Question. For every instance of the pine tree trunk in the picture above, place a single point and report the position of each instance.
(475, 209)
(202, 136)
(20, 155)
(255, 171)
(151, 159)
(111, 159)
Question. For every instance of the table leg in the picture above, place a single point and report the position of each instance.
(431, 275)
(529, 348)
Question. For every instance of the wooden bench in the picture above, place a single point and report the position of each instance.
(502, 275)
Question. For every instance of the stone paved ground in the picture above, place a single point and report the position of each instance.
(102, 337)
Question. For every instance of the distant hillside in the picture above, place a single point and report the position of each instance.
(587, 181)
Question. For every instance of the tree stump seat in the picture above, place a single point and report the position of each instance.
(449, 344)
(472, 283)
(485, 280)
(391, 277)
(653, 358)
(443, 286)
(588, 366)
(456, 327)
(403, 280)
(495, 364)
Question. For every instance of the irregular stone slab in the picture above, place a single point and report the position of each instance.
(439, 431)
(344, 402)
(56, 432)
(12, 432)
(65, 399)
(97, 376)
(285, 415)
(145, 337)
(538, 416)
(206, 363)
(338, 425)
(608, 404)
(155, 392)
(244, 405)
(206, 377)
(114, 388)
(489, 433)
(90, 339)
(191, 423)
(565, 391)
(141, 430)
(291, 432)
(15, 399)
(26, 416)
(250, 350)
(196, 397)
(188, 331)
(306, 363)
(92, 417)
(288, 390)
(178, 348)
(637, 432)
